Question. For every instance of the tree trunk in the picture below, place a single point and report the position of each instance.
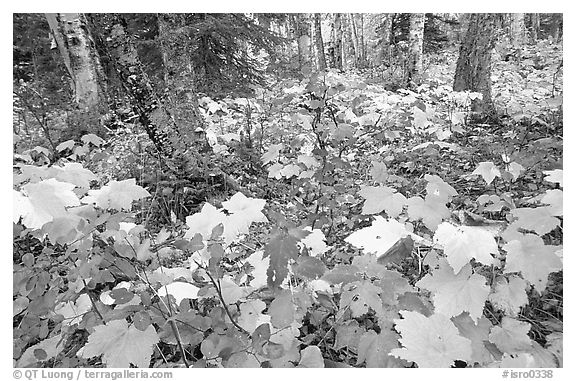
(361, 39)
(517, 30)
(474, 62)
(181, 100)
(355, 40)
(335, 50)
(348, 51)
(534, 27)
(303, 38)
(152, 113)
(416, 43)
(386, 38)
(83, 64)
(319, 42)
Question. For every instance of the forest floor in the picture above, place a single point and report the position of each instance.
(332, 157)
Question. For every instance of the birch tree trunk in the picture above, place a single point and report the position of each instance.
(81, 59)
(386, 38)
(416, 43)
(474, 62)
(319, 43)
(303, 38)
(348, 50)
(517, 30)
(355, 40)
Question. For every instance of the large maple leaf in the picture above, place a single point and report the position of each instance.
(359, 296)
(49, 348)
(463, 243)
(477, 333)
(439, 188)
(282, 248)
(456, 293)
(488, 171)
(46, 200)
(374, 349)
(533, 259)
(379, 237)
(430, 342)
(512, 336)
(509, 295)
(431, 210)
(121, 345)
(117, 195)
(382, 198)
(204, 221)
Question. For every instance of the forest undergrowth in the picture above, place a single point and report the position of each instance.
(327, 222)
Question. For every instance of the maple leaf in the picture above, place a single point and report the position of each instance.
(554, 176)
(379, 172)
(431, 210)
(488, 171)
(382, 198)
(463, 243)
(117, 195)
(275, 171)
(290, 170)
(46, 200)
(456, 293)
(281, 249)
(512, 336)
(231, 292)
(477, 333)
(74, 173)
(260, 266)
(315, 242)
(92, 139)
(374, 349)
(379, 237)
(439, 188)
(308, 161)
(539, 220)
(342, 274)
(68, 144)
(360, 296)
(204, 222)
(430, 342)
(515, 170)
(311, 357)
(272, 153)
(121, 345)
(251, 316)
(179, 291)
(73, 312)
(348, 335)
(392, 285)
(509, 295)
(244, 211)
(50, 347)
(554, 198)
(281, 310)
(533, 259)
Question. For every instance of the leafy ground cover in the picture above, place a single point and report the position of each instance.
(369, 228)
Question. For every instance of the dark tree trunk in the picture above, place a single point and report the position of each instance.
(335, 50)
(474, 62)
(534, 27)
(319, 42)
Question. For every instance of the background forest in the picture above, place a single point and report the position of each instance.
(281, 190)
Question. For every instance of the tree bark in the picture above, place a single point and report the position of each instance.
(517, 30)
(534, 27)
(335, 49)
(355, 40)
(474, 62)
(302, 27)
(81, 59)
(416, 43)
(152, 113)
(319, 42)
(386, 38)
(348, 50)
